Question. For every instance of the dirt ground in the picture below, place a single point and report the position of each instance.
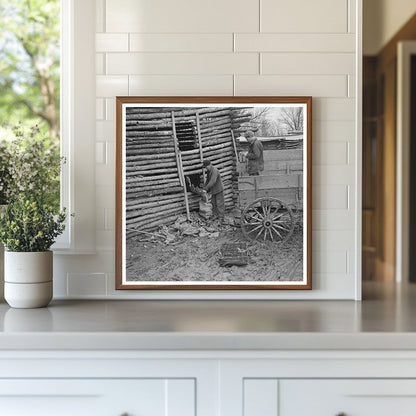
(196, 258)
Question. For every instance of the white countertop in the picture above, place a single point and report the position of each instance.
(384, 320)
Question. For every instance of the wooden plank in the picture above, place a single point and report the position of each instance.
(287, 196)
(292, 166)
(248, 183)
(234, 145)
(180, 167)
(283, 155)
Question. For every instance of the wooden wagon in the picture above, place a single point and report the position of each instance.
(272, 202)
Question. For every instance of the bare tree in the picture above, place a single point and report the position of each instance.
(292, 118)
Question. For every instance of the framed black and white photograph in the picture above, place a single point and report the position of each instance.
(213, 193)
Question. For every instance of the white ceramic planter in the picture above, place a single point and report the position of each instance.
(28, 279)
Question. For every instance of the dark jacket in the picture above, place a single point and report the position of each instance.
(214, 182)
(255, 157)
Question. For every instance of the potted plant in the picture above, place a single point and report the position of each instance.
(28, 229)
(29, 186)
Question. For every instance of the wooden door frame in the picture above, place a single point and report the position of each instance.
(404, 50)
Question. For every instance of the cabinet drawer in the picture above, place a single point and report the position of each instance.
(349, 397)
(86, 397)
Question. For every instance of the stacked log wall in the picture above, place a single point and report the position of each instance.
(154, 190)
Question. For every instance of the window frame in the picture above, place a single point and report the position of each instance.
(77, 100)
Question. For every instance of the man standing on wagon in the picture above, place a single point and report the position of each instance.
(214, 185)
(255, 162)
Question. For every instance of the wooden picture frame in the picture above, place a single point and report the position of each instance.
(165, 236)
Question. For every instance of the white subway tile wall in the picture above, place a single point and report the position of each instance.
(182, 16)
(181, 85)
(351, 86)
(232, 47)
(300, 16)
(283, 42)
(314, 85)
(182, 63)
(86, 284)
(181, 42)
(99, 109)
(317, 63)
(100, 64)
(112, 42)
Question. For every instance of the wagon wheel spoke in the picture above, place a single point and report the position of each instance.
(251, 222)
(258, 234)
(250, 218)
(281, 227)
(258, 213)
(256, 228)
(285, 218)
(277, 232)
(278, 216)
(257, 216)
(269, 205)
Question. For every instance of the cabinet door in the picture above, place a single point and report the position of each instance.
(86, 397)
(347, 397)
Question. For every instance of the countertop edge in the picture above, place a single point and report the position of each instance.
(158, 341)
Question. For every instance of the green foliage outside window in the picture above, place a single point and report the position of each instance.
(30, 165)
(29, 85)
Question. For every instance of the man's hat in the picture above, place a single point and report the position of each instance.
(249, 133)
(206, 163)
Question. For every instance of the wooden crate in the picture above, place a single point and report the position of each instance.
(233, 254)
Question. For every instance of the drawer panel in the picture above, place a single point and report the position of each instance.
(349, 397)
(86, 397)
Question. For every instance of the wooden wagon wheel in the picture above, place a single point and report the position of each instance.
(267, 219)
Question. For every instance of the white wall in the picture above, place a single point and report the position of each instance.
(232, 47)
(381, 20)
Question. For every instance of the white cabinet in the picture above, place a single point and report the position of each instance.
(349, 397)
(207, 383)
(88, 397)
(319, 383)
(273, 397)
(109, 383)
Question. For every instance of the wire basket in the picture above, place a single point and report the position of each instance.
(233, 254)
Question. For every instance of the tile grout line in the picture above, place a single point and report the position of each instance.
(348, 87)
(260, 15)
(348, 153)
(347, 258)
(233, 84)
(260, 64)
(104, 16)
(348, 16)
(348, 197)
